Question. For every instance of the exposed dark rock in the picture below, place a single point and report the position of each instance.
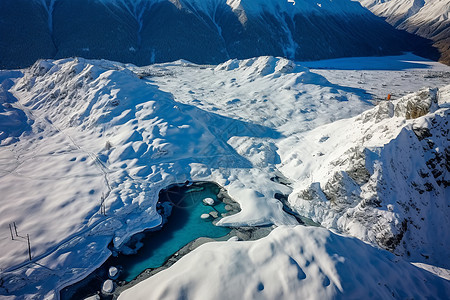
(418, 105)
(341, 191)
(390, 241)
(422, 133)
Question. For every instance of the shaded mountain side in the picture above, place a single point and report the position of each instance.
(166, 30)
(437, 31)
(428, 19)
(444, 48)
(24, 33)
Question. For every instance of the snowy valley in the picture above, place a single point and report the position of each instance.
(224, 149)
(86, 145)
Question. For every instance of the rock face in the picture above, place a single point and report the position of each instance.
(388, 183)
(429, 19)
(212, 31)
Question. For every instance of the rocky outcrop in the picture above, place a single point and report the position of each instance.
(390, 186)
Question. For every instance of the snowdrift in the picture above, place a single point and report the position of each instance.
(291, 263)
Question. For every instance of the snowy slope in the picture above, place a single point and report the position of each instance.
(388, 183)
(291, 263)
(13, 121)
(103, 134)
(269, 91)
(304, 158)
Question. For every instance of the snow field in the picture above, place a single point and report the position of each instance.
(102, 142)
(291, 263)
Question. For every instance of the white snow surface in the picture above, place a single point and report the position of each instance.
(100, 142)
(380, 76)
(291, 263)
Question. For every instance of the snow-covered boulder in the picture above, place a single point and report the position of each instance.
(208, 201)
(214, 214)
(108, 286)
(113, 272)
(205, 216)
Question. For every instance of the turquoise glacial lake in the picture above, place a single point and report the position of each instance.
(183, 226)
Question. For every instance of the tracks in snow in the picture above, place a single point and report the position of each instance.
(100, 165)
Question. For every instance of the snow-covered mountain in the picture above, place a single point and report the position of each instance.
(209, 31)
(93, 134)
(388, 183)
(426, 18)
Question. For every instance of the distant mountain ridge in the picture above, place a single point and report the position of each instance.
(426, 18)
(211, 31)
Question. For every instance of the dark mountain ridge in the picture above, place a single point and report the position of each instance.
(206, 32)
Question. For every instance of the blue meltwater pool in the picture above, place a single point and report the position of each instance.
(183, 226)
